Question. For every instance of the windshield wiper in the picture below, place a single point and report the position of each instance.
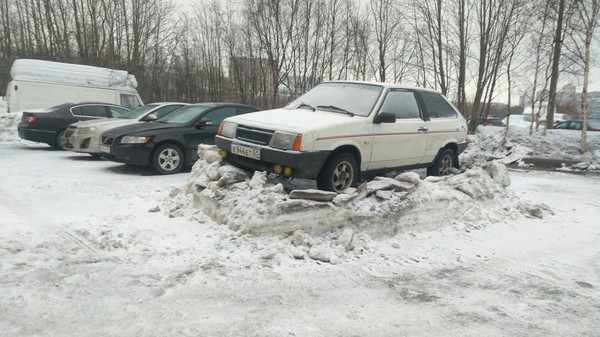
(335, 108)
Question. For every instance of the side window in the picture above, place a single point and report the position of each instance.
(129, 101)
(575, 126)
(76, 111)
(437, 106)
(563, 125)
(117, 112)
(243, 110)
(94, 111)
(218, 115)
(165, 110)
(403, 104)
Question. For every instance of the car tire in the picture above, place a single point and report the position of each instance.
(167, 159)
(57, 145)
(443, 164)
(338, 174)
(96, 155)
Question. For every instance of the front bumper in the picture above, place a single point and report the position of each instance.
(134, 154)
(303, 164)
(86, 143)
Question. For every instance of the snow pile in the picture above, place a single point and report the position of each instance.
(74, 74)
(556, 144)
(325, 226)
(8, 128)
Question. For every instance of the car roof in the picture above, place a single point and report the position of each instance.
(386, 85)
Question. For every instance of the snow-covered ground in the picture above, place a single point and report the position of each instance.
(94, 248)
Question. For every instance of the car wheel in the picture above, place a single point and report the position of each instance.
(167, 159)
(57, 144)
(96, 155)
(443, 164)
(338, 174)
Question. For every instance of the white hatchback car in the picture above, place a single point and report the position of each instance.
(84, 137)
(341, 129)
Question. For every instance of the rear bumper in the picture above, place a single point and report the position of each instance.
(34, 135)
(461, 147)
(303, 164)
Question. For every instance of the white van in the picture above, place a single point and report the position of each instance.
(38, 84)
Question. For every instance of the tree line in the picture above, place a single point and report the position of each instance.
(265, 52)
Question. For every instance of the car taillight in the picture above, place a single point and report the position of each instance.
(30, 119)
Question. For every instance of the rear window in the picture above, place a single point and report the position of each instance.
(436, 106)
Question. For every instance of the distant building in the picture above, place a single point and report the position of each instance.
(568, 100)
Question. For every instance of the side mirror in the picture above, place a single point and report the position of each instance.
(149, 118)
(385, 117)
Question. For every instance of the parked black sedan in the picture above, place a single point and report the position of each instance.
(170, 142)
(48, 125)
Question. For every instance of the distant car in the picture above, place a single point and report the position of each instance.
(170, 142)
(524, 120)
(49, 125)
(592, 125)
(594, 115)
(84, 137)
(491, 121)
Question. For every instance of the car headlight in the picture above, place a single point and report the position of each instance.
(135, 140)
(287, 141)
(85, 131)
(228, 129)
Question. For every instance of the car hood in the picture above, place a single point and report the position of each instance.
(296, 120)
(138, 128)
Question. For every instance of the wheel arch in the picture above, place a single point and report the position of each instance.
(351, 149)
(450, 146)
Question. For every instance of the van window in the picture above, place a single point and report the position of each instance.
(129, 101)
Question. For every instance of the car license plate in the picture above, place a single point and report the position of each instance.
(245, 151)
(105, 149)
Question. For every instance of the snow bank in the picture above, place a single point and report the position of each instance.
(74, 74)
(556, 144)
(324, 226)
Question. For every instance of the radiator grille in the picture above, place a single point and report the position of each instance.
(252, 135)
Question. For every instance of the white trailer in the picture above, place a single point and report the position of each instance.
(40, 84)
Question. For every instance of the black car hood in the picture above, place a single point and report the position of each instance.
(138, 128)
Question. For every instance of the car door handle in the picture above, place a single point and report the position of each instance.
(422, 129)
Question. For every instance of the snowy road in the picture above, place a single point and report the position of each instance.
(82, 255)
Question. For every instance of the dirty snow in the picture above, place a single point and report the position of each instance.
(95, 248)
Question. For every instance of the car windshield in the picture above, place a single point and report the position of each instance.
(350, 98)
(184, 115)
(137, 112)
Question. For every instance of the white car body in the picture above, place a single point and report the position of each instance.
(377, 146)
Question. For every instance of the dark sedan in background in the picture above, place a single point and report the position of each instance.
(48, 125)
(592, 125)
(170, 142)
